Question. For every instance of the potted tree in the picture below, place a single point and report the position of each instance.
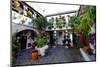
(41, 45)
(87, 19)
(41, 22)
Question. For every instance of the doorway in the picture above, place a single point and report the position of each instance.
(22, 38)
(23, 42)
(60, 37)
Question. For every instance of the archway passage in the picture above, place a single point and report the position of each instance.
(22, 37)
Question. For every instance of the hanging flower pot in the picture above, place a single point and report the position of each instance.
(35, 55)
(16, 4)
(29, 12)
(25, 8)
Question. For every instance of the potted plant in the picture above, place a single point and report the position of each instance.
(41, 22)
(13, 60)
(86, 46)
(35, 55)
(41, 45)
(79, 45)
(16, 4)
(14, 49)
(64, 41)
(59, 24)
(64, 24)
(49, 25)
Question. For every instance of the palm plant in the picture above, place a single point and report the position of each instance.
(87, 19)
(41, 22)
(84, 22)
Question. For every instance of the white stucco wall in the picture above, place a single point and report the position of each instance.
(19, 27)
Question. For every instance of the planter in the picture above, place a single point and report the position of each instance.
(16, 4)
(13, 60)
(13, 53)
(42, 50)
(35, 55)
(33, 46)
(86, 48)
(49, 27)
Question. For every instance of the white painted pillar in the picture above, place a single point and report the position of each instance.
(71, 37)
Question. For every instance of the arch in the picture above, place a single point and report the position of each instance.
(16, 28)
(26, 30)
(22, 40)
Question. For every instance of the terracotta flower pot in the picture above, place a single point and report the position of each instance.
(13, 53)
(35, 55)
(85, 48)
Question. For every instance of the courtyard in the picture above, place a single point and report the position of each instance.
(43, 35)
(58, 54)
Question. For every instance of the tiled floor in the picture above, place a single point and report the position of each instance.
(55, 55)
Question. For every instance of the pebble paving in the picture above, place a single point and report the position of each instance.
(55, 55)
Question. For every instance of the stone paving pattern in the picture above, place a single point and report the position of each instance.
(55, 55)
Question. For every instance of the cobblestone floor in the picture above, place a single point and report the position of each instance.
(55, 55)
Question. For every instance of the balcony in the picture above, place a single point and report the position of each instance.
(54, 26)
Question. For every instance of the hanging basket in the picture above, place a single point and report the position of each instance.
(29, 12)
(16, 4)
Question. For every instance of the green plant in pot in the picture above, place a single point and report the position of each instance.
(14, 49)
(49, 25)
(14, 46)
(59, 24)
(64, 23)
(40, 42)
(65, 40)
(41, 22)
(79, 45)
(87, 19)
(41, 45)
